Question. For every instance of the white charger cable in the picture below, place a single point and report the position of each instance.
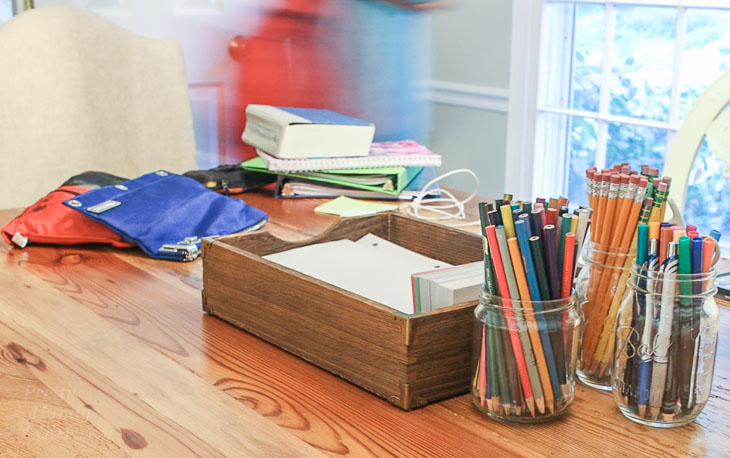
(446, 207)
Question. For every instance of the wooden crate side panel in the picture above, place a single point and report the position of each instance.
(368, 350)
(374, 368)
(429, 329)
(288, 324)
(313, 298)
(443, 243)
(438, 387)
(440, 353)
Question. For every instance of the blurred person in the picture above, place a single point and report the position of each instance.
(364, 58)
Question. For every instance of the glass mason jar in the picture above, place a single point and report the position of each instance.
(523, 357)
(666, 342)
(600, 286)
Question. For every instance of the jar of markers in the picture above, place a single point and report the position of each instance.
(666, 335)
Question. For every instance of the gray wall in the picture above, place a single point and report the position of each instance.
(471, 59)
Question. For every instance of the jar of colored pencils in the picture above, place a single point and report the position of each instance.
(523, 358)
(600, 287)
(666, 342)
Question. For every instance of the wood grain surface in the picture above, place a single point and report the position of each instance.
(106, 352)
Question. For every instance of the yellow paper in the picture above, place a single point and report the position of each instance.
(346, 207)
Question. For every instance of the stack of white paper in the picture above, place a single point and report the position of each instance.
(372, 267)
(447, 286)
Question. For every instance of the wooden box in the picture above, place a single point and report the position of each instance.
(410, 360)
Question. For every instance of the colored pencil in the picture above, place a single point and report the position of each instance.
(532, 327)
(556, 332)
(567, 276)
(527, 349)
(535, 293)
(551, 258)
(522, 367)
(507, 222)
(483, 369)
(515, 340)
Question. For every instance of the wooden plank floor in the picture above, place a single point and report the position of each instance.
(107, 352)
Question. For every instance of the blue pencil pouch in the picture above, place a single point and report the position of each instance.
(166, 214)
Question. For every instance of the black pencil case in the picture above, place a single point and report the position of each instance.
(231, 179)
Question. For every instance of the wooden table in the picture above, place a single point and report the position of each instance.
(107, 352)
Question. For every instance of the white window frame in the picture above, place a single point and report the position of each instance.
(529, 170)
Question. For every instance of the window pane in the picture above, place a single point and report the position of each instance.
(708, 195)
(6, 10)
(581, 155)
(637, 145)
(556, 70)
(706, 53)
(552, 146)
(641, 71)
(587, 56)
(574, 52)
(570, 137)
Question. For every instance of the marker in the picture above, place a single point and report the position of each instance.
(642, 247)
(683, 338)
(696, 260)
(708, 253)
(665, 237)
(644, 365)
(715, 234)
(662, 341)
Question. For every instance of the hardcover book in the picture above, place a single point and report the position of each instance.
(288, 132)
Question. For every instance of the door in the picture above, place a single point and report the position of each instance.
(280, 52)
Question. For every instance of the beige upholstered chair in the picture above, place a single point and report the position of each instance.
(77, 93)
(705, 118)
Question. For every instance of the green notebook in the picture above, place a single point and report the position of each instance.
(388, 180)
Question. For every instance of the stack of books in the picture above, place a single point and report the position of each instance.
(321, 153)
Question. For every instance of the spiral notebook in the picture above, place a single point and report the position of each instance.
(287, 187)
(403, 153)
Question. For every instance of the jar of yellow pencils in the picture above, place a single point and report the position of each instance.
(666, 338)
(523, 358)
(599, 287)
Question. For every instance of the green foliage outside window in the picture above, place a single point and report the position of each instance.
(640, 85)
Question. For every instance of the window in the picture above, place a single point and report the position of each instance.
(6, 10)
(615, 82)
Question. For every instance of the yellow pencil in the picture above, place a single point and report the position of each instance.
(610, 277)
(600, 208)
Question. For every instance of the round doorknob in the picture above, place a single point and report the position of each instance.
(237, 47)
